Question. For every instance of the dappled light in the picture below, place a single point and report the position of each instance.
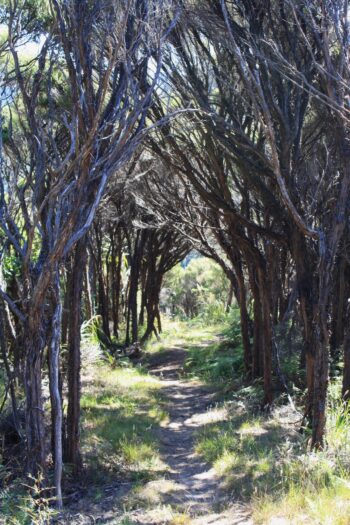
(174, 262)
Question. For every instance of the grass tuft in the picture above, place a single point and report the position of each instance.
(265, 462)
(121, 411)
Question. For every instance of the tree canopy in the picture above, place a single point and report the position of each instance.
(135, 132)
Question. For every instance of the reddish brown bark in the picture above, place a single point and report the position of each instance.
(73, 455)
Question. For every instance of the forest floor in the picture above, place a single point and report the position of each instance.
(186, 489)
(195, 487)
(180, 439)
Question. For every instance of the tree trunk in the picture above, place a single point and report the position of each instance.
(153, 289)
(89, 309)
(9, 374)
(320, 384)
(55, 395)
(305, 263)
(338, 309)
(229, 298)
(244, 321)
(257, 324)
(346, 351)
(116, 282)
(103, 300)
(34, 411)
(143, 286)
(73, 455)
(65, 309)
(139, 244)
(267, 339)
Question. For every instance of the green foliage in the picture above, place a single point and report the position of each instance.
(24, 503)
(90, 328)
(266, 461)
(35, 15)
(198, 290)
(220, 362)
(11, 266)
(127, 521)
(232, 330)
(178, 333)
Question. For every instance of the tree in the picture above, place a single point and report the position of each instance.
(73, 118)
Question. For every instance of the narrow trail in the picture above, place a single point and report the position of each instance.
(196, 489)
(189, 492)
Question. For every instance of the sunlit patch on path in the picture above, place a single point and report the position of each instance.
(185, 489)
(194, 495)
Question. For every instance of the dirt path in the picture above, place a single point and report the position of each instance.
(195, 489)
(190, 491)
